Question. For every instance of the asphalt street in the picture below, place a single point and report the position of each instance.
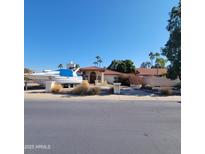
(102, 127)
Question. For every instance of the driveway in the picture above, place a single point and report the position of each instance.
(97, 126)
(135, 92)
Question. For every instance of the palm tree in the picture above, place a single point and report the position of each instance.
(160, 63)
(146, 65)
(95, 63)
(60, 66)
(98, 61)
(97, 57)
(157, 61)
(157, 55)
(151, 57)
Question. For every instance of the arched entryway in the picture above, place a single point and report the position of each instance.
(92, 77)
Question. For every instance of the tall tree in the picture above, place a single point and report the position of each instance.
(60, 66)
(125, 66)
(95, 63)
(172, 49)
(157, 55)
(146, 64)
(27, 70)
(151, 57)
(160, 62)
(98, 61)
(156, 61)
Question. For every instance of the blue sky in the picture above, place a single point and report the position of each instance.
(58, 31)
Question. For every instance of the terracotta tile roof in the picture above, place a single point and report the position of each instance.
(110, 72)
(151, 71)
(92, 68)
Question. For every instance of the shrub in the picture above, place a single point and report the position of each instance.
(124, 80)
(94, 91)
(135, 80)
(129, 79)
(27, 70)
(166, 92)
(82, 89)
(26, 78)
(84, 86)
(56, 88)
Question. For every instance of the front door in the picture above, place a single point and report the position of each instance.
(92, 77)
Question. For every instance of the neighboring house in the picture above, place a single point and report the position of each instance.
(110, 76)
(156, 77)
(151, 72)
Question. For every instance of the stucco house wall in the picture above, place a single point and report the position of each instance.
(110, 78)
(98, 74)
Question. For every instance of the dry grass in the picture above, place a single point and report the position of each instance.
(84, 89)
(57, 88)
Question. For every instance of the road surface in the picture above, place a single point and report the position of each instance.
(102, 126)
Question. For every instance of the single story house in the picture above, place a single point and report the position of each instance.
(93, 74)
(154, 77)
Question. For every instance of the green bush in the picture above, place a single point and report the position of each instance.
(27, 70)
(124, 80)
(26, 78)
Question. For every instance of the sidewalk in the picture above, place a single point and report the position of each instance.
(40, 94)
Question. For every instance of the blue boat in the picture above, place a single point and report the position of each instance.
(61, 76)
